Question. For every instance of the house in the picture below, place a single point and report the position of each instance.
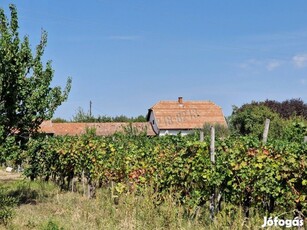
(102, 129)
(172, 117)
(165, 117)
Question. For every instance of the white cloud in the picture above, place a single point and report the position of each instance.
(261, 64)
(250, 63)
(271, 65)
(300, 60)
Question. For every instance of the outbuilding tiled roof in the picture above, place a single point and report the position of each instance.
(187, 114)
(102, 129)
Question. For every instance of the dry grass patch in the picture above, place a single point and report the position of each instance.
(6, 177)
(43, 206)
(73, 211)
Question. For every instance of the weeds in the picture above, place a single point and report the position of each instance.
(7, 204)
(56, 210)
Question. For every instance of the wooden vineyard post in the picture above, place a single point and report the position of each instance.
(266, 131)
(212, 144)
(201, 136)
(212, 158)
(114, 197)
(83, 183)
(305, 139)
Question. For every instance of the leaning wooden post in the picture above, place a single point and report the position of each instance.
(266, 131)
(305, 139)
(212, 158)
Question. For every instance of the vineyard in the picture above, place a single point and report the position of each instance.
(271, 178)
(246, 171)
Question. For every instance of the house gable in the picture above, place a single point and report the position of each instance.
(185, 115)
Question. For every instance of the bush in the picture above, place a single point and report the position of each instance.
(295, 129)
(7, 204)
(11, 152)
(250, 119)
(221, 131)
(52, 226)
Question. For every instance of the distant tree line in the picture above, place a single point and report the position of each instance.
(82, 116)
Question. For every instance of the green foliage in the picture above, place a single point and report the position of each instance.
(269, 177)
(295, 129)
(132, 211)
(250, 119)
(26, 98)
(52, 226)
(221, 131)
(82, 116)
(285, 125)
(286, 109)
(59, 120)
(11, 153)
(7, 204)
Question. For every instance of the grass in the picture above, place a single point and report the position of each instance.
(42, 205)
(73, 211)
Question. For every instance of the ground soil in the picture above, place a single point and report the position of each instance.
(9, 176)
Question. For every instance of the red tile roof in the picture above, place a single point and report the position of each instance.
(102, 129)
(187, 114)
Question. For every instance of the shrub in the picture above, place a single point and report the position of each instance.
(250, 119)
(295, 129)
(7, 204)
(221, 131)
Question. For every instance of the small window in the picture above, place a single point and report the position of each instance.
(153, 122)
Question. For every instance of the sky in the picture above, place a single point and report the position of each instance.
(126, 55)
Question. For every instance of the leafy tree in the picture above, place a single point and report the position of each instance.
(221, 131)
(250, 119)
(120, 118)
(104, 118)
(26, 98)
(295, 129)
(59, 120)
(140, 118)
(82, 116)
(287, 108)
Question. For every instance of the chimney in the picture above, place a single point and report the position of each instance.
(180, 100)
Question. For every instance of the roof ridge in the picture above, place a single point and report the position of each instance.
(188, 101)
(185, 101)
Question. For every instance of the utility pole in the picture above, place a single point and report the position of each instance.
(90, 108)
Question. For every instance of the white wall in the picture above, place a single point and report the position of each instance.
(163, 132)
(183, 132)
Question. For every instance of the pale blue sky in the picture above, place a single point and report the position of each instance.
(126, 55)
